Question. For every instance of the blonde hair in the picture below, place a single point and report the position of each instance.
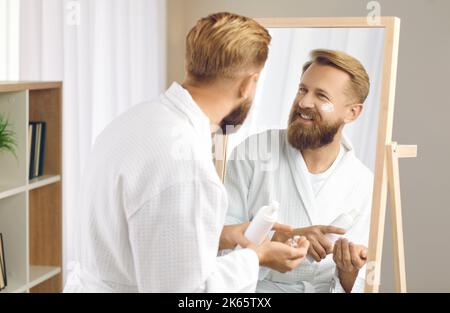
(359, 79)
(225, 45)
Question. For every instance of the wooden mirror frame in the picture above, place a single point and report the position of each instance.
(391, 26)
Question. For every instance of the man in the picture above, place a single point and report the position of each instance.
(315, 176)
(154, 207)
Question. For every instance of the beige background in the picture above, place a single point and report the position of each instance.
(421, 115)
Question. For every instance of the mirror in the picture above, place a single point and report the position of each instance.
(325, 162)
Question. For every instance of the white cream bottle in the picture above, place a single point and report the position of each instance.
(344, 221)
(262, 223)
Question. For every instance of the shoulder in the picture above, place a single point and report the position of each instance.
(147, 122)
(149, 130)
(151, 145)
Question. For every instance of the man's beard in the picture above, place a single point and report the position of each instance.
(313, 136)
(231, 123)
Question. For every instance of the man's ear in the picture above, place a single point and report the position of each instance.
(353, 112)
(246, 85)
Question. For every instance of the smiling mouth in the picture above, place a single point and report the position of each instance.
(306, 117)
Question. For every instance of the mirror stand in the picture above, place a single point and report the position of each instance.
(393, 153)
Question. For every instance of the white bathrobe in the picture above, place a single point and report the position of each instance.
(153, 207)
(258, 173)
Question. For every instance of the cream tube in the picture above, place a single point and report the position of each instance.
(344, 221)
(262, 223)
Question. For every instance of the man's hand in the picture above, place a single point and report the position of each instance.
(349, 259)
(233, 235)
(281, 256)
(320, 246)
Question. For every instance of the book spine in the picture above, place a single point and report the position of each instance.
(38, 149)
(33, 149)
(42, 148)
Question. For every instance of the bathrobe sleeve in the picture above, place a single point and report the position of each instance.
(174, 238)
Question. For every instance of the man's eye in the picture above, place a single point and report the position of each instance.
(302, 90)
(322, 96)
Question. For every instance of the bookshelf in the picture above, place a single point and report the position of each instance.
(31, 210)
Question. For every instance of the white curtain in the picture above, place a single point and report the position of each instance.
(9, 39)
(110, 55)
(279, 81)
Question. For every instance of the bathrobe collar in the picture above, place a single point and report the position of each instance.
(311, 202)
(183, 101)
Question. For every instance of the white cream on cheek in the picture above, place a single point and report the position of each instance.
(327, 107)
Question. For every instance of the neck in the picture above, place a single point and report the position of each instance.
(319, 160)
(211, 99)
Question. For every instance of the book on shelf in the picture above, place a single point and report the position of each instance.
(3, 278)
(41, 154)
(32, 150)
(38, 150)
(30, 138)
(36, 144)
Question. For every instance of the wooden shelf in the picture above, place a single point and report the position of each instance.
(31, 210)
(8, 86)
(43, 181)
(39, 274)
(35, 183)
(6, 191)
(15, 286)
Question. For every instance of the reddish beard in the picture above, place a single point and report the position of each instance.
(231, 123)
(313, 136)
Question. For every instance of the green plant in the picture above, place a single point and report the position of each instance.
(7, 137)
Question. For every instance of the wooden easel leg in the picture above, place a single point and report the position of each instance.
(396, 217)
(220, 143)
(376, 237)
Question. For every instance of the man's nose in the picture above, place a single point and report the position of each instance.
(306, 103)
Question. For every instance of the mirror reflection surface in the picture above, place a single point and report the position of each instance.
(309, 143)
